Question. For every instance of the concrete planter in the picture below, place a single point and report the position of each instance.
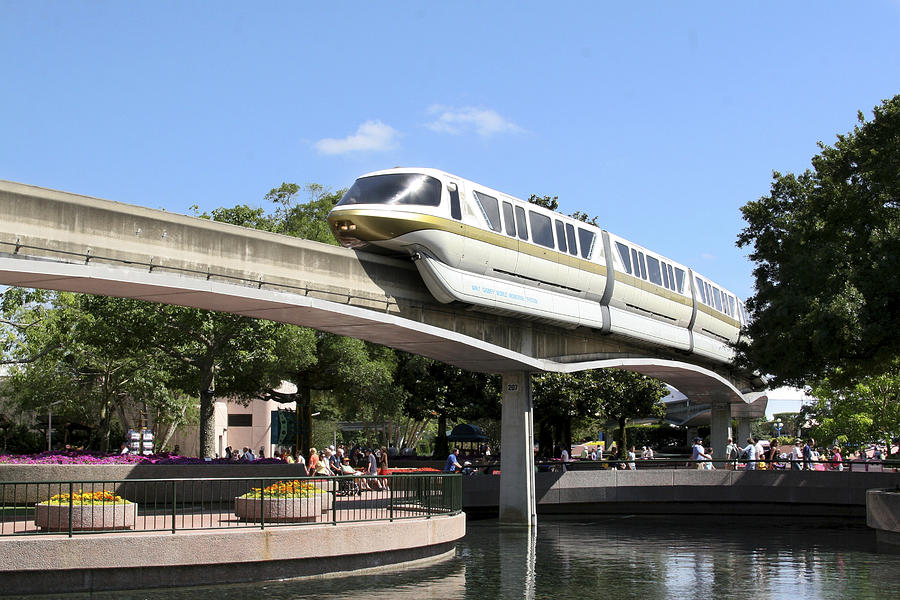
(85, 517)
(283, 510)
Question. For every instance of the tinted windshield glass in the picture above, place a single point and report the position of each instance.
(399, 188)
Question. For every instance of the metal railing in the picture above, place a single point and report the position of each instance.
(783, 464)
(172, 505)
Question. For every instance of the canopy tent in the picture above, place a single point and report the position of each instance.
(466, 433)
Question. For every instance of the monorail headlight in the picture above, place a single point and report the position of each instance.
(345, 226)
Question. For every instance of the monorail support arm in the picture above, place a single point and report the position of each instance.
(518, 504)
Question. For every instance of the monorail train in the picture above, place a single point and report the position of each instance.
(482, 247)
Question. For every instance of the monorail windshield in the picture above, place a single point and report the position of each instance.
(396, 188)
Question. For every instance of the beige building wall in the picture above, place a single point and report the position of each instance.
(232, 428)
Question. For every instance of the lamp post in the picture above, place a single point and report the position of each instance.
(50, 424)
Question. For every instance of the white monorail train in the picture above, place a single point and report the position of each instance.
(479, 246)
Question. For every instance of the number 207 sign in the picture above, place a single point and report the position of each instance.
(512, 387)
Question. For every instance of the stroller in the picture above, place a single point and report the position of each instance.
(347, 484)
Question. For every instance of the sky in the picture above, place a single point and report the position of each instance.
(660, 118)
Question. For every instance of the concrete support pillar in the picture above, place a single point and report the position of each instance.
(743, 431)
(719, 429)
(517, 497)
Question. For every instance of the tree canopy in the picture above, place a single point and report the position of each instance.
(826, 245)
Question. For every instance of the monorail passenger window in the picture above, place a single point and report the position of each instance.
(671, 278)
(586, 239)
(521, 224)
(541, 229)
(561, 236)
(679, 280)
(508, 219)
(717, 298)
(570, 236)
(731, 305)
(623, 254)
(702, 290)
(665, 274)
(455, 208)
(641, 265)
(490, 208)
(653, 270)
(636, 262)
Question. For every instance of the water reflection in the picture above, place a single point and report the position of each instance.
(638, 557)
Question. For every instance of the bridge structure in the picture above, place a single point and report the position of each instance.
(62, 241)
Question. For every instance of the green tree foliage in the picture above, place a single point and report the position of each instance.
(826, 245)
(217, 354)
(77, 363)
(558, 399)
(307, 219)
(435, 389)
(864, 412)
(625, 395)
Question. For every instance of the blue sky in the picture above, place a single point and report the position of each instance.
(661, 118)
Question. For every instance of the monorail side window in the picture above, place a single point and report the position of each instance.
(665, 274)
(731, 304)
(521, 224)
(702, 289)
(636, 261)
(455, 207)
(570, 236)
(671, 279)
(508, 219)
(623, 254)
(679, 280)
(586, 239)
(561, 236)
(641, 265)
(396, 188)
(541, 229)
(717, 298)
(490, 209)
(653, 270)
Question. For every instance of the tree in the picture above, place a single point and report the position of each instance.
(826, 245)
(865, 412)
(79, 364)
(306, 220)
(558, 399)
(217, 354)
(625, 395)
(435, 389)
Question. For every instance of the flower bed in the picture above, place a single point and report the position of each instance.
(283, 501)
(90, 511)
(90, 457)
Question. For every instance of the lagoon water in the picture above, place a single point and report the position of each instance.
(639, 557)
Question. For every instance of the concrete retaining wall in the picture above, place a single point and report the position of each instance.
(883, 515)
(690, 491)
(94, 562)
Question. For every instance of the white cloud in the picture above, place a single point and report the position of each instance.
(371, 135)
(484, 121)
(707, 256)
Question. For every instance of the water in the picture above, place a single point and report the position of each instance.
(618, 557)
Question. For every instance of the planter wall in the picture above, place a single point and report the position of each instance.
(85, 517)
(282, 510)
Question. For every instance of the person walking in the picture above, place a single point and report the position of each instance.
(749, 454)
(732, 453)
(698, 454)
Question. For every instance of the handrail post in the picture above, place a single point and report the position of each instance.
(391, 501)
(174, 504)
(333, 485)
(262, 505)
(71, 507)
